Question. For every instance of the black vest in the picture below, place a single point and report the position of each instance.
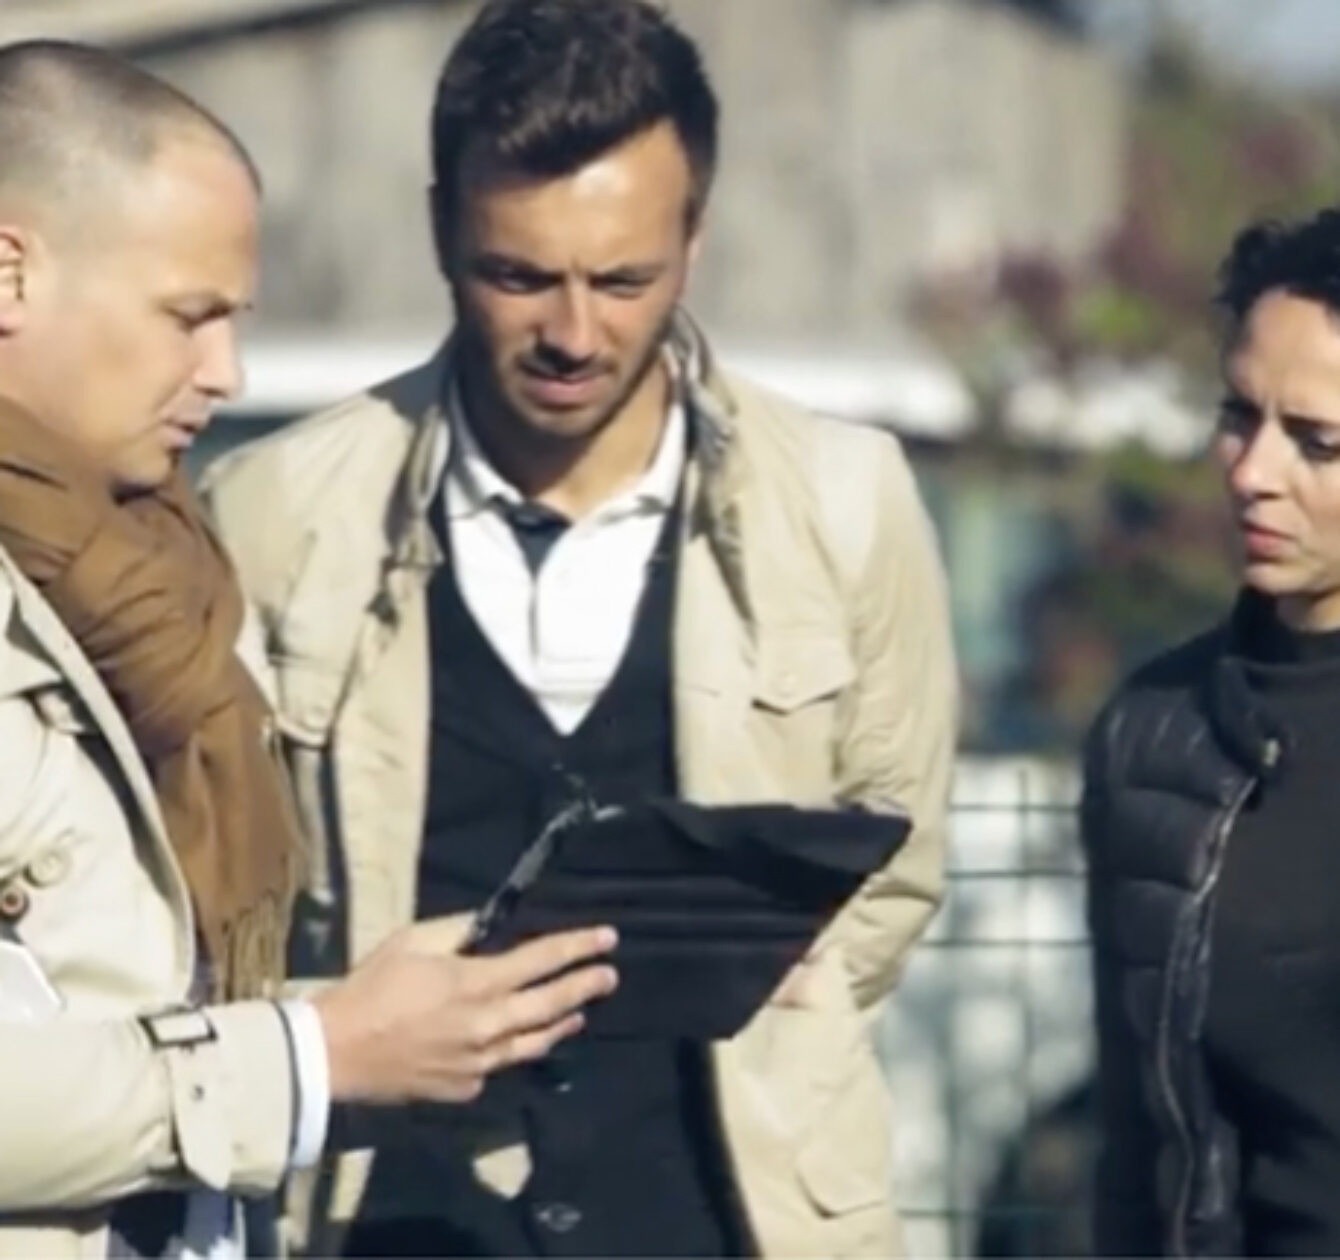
(626, 1156)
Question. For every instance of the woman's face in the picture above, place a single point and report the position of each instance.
(1278, 444)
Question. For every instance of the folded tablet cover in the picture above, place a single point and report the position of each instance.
(714, 905)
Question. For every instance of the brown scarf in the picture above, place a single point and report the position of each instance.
(147, 592)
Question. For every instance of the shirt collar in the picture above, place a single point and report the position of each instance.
(477, 486)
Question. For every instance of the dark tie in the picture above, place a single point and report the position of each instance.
(536, 527)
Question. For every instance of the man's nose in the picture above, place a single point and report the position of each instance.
(219, 371)
(570, 335)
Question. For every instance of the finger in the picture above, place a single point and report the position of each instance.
(527, 1047)
(493, 1021)
(461, 1089)
(533, 961)
(546, 1004)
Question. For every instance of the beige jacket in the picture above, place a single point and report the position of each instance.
(812, 664)
(90, 1111)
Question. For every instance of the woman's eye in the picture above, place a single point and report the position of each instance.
(1319, 450)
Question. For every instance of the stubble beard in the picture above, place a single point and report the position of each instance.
(521, 425)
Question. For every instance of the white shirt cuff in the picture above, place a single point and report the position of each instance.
(311, 1069)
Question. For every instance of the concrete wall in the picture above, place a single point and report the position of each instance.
(975, 134)
(336, 111)
(865, 147)
(778, 257)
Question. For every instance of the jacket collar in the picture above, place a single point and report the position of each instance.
(715, 475)
(1244, 727)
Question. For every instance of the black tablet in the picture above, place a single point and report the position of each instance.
(714, 905)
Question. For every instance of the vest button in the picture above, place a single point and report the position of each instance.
(558, 1218)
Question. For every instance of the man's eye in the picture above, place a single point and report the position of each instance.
(516, 281)
(624, 286)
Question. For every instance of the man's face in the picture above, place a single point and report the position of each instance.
(127, 339)
(564, 287)
(1279, 447)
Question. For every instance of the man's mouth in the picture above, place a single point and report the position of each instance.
(569, 390)
(183, 433)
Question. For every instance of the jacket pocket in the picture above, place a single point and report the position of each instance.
(800, 674)
(845, 1162)
(799, 667)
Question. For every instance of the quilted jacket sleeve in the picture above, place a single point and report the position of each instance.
(1125, 1203)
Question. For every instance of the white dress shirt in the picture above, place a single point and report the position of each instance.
(563, 630)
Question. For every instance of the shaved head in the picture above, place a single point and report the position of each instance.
(76, 122)
(129, 230)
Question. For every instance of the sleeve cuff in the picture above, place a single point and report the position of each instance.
(311, 1068)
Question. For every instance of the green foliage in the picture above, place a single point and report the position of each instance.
(1149, 567)
(1126, 323)
(1207, 158)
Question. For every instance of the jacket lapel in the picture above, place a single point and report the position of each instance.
(715, 635)
(50, 634)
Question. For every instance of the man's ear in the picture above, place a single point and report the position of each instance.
(15, 264)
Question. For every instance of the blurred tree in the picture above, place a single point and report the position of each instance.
(1065, 15)
(1151, 566)
(1207, 156)
(1145, 563)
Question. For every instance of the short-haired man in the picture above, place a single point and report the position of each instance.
(461, 578)
(148, 851)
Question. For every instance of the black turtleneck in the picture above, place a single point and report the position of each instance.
(1273, 1024)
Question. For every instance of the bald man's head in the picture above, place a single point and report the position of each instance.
(129, 228)
(78, 123)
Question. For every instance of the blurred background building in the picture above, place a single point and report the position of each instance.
(882, 144)
(989, 225)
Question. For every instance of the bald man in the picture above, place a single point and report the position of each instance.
(149, 1074)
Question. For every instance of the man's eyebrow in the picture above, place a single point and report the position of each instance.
(210, 302)
(517, 266)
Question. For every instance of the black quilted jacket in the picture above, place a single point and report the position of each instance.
(1169, 764)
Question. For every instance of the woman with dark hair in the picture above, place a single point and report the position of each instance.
(1209, 819)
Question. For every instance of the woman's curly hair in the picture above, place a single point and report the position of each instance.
(1302, 258)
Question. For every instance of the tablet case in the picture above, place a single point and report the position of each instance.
(714, 905)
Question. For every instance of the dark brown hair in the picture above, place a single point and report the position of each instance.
(542, 87)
